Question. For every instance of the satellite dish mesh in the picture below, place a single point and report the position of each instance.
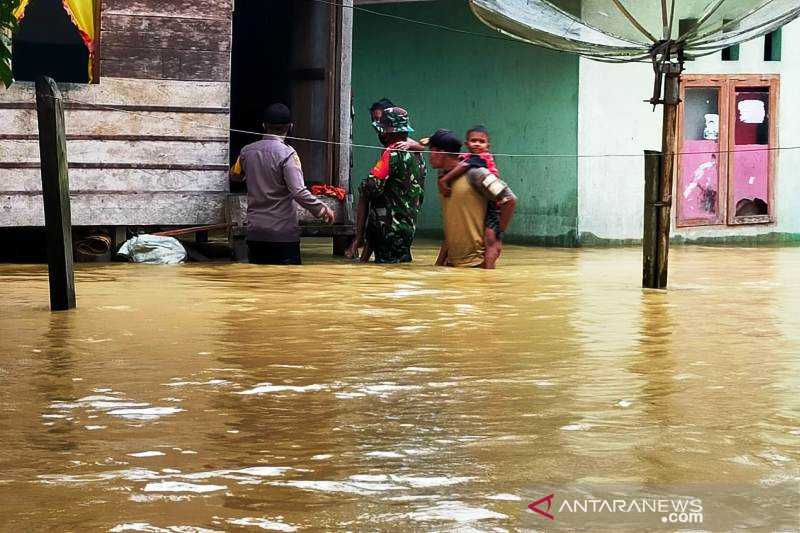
(635, 30)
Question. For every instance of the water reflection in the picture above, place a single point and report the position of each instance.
(335, 396)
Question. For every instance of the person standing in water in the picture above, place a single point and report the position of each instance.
(275, 181)
(375, 113)
(464, 209)
(394, 191)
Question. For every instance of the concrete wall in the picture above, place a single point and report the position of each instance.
(613, 119)
(526, 96)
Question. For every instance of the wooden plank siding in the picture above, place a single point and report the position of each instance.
(148, 145)
(153, 39)
(139, 152)
(187, 9)
(148, 209)
(29, 181)
(122, 209)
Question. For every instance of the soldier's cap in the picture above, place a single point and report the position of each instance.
(277, 114)
(444, 140)
(393, 120)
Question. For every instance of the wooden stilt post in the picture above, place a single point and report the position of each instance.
(55, 189)
(670, 126)
(652, 178)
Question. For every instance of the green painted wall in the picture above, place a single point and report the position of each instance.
(527, 97)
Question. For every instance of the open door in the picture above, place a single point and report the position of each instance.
(312, 82)
(286, 52)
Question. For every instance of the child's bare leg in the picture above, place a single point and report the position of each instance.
(361, 222)
(493, 248)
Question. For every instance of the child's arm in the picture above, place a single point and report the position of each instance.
(410, 145)
(450, 177)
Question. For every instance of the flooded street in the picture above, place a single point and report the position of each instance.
(335, 396)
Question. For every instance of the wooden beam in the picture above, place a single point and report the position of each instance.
(120, 236)
(128, 91)
(23, 121)
(87, 181)
(120, 209)
(129, 108)
(191, 9)
(55, 190)
(344, 103)
(668, 160)
(118, 138)
(188, 231)
(98, 34)
(134, 154)
(122, 166)
(652, 173)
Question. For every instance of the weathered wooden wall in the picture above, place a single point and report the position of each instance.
(157, 39)
(148, 145)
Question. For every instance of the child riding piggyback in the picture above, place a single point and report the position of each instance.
(478, 156)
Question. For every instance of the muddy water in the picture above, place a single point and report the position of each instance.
(343, 397)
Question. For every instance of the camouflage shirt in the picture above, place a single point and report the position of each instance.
(395, 189)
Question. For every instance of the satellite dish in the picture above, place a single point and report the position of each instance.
(635, 30)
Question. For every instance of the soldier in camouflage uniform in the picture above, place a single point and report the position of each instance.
(394, 190)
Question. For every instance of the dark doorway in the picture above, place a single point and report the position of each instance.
(283, 52)
(48, 44)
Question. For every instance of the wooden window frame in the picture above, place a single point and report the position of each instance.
(332, 78)
(98, 8)
(690, 82)
(727, 84)
(773, 45)
(773, 83)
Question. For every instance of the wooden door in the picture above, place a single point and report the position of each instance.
(313, 81)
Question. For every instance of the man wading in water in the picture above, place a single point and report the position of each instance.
(464, 211)
(394, 191)
(274, 180)
(375, 113)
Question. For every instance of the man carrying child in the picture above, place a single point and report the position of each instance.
(477, 206)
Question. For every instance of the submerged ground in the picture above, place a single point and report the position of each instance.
(338, 396)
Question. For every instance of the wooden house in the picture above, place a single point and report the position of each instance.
(152, 90)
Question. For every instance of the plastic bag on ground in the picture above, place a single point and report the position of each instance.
(153, 250)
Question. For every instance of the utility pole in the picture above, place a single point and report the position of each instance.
(672, 92)
(652, 190)
(656, 237)
(55, 190)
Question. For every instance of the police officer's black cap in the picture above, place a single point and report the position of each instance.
(444, 140)
(277, 114)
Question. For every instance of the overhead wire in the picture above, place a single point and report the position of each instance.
(418, 22)
(382, 148)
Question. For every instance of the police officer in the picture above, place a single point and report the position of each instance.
(274, 180)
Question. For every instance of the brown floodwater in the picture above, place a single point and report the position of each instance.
(337, 396)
